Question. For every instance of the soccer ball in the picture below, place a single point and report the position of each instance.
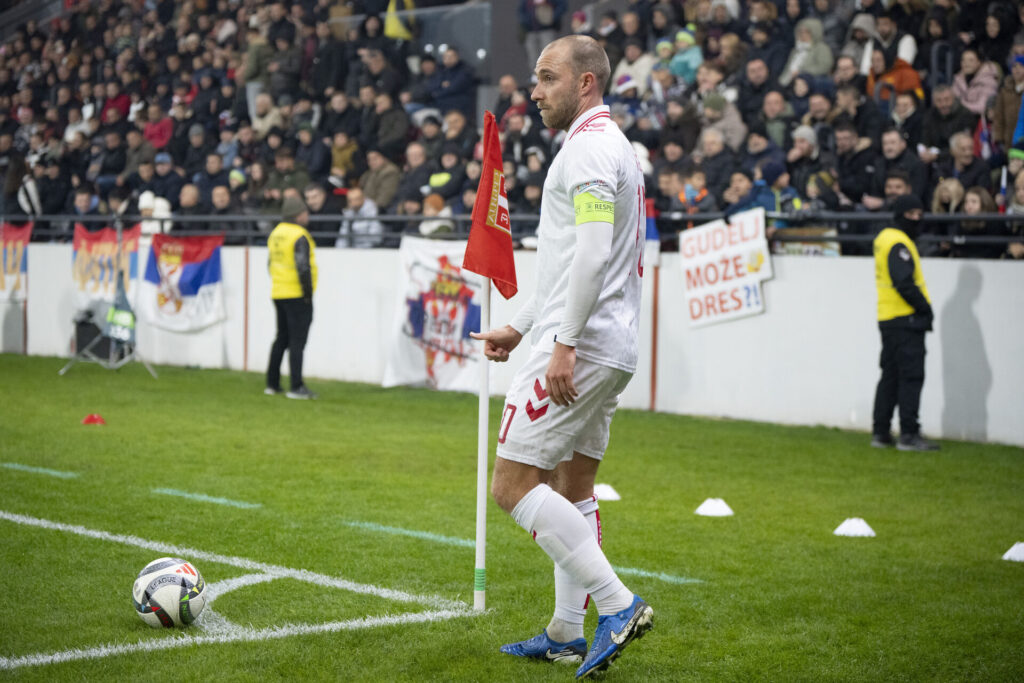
(169, 592)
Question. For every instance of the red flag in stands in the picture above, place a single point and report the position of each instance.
(489, 250)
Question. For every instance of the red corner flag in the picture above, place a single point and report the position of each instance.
(489, 250)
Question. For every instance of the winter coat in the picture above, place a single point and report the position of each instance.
(815, 60)
(974, 95)
(901, 76)
(731, 126)
(1004, 119)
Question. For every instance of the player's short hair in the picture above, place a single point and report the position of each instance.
(587, 56)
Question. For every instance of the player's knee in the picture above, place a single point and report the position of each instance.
(502, 494)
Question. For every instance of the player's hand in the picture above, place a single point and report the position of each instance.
(499, 343)
(558, 379)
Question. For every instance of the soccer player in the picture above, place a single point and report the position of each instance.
(585, 318)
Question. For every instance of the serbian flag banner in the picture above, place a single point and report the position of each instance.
(97, 263)
(14, 278)
(489, 250)
(182, 290)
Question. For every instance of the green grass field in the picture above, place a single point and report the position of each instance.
(779, 597)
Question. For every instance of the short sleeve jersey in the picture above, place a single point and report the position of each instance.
(594, 177)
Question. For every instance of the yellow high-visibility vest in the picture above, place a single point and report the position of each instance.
(284, 276)
(890, 303)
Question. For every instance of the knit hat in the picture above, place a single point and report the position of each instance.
(292, 208)
(715, 102)
(771, 171)
(162, 158)
(196, 129)
(237, 174)
(805, 133)
(686, 37)
(663, 44)
(434, 201)
(624, 83)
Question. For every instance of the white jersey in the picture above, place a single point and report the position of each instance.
(595, 176)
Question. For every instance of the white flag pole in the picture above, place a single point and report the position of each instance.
(480, 573)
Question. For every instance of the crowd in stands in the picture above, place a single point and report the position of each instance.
(222, 108)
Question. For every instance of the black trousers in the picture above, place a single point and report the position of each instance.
(294, 317)
(902, 365)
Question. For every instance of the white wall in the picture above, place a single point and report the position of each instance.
(812, 358)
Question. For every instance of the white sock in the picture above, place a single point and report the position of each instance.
(571, 599)
(560, 529)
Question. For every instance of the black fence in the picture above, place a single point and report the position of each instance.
(842, 228)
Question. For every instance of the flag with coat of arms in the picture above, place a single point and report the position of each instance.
(489, 249)
(182, 289)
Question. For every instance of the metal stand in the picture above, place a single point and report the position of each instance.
(120, 354)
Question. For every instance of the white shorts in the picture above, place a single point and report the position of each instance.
(535, 431)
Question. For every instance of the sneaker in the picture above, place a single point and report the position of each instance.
(915, 442)
(271, 391)
(302, 392)
(543, 648)
(614, 633)
(882, 441)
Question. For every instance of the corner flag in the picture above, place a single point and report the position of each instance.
(489, 249)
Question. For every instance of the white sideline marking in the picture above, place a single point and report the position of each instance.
(434, 601)
(38, 470)
(247, 635)
(202, 497)
(466, 543)
(399, 531)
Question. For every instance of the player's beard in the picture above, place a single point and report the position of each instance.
(559, 116)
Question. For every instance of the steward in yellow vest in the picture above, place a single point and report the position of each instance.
(904, 316)
(293, 275)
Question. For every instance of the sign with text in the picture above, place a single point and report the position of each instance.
(723, 266)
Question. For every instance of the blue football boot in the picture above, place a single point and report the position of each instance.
(614, 633)
(543, 648)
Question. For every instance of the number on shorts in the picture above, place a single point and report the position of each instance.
(506, 421)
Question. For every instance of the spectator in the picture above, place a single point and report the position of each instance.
(361, 229)
(717, 161)
(507, 86)
(85, 209)
(347, 161)
(417, 93)
(907, 118)
(1015, 249)
(392, 127)
(448, 181)
(694, 196)
(894, 43)
(320, 203)
(895, 155)
(860, 111)
(1007, 106)
(846, 73)
(330, 68)
(766, 47)
(437, 216)
(454, 86)
(194, 159)
(138, 151)
(723, 116)
(340, 116)
(860, 41)
(935, 31)
(688, 57)
(976, 82)
(153, 210)
(855, 162)
(265, 116)
(759, 149)
(945, 117)
(417, 171)
(227, 147)
(777, 118)
(109, 164)
(222, 203)
(143, 178)
(379, 73)
(312, 153)
(212, 175)
(740, 185)
(663, 23)
(978, 200)
(810, 55)
(805, 159)
(963, 165)
(166, 181)
(897, 74)
(539, 23)
(380, 182)
(190, 204)
(995, 42)
(159, 127)
(834, 20)
(682, 125)
(772, 193)
(636, 64)
(285, 176)
(458, 132)
(755, 85)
